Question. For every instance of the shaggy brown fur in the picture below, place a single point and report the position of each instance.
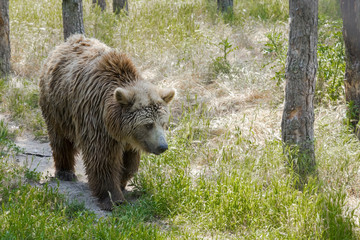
(94, 100)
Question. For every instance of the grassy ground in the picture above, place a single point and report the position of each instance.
(224, 175)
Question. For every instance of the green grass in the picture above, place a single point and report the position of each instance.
(42, 213)
(39, 212)
(7, 145)
(241, 190)
(330, 9)
(224, 175)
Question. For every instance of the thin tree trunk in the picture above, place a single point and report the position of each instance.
(72, 17)
(4, 39)
(351, 33)
(100, 3)
(225, 5)
(119, 5)
(298, 115)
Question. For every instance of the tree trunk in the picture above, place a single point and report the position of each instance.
(4, 38)
(119, 5)
(351, 33)
(225, 5)
(100, 3)
(72, 11)
(301, 64)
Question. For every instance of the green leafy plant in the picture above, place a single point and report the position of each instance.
(7, 145)
(32, 175)
(331, 61)
(276, 48)
(221, 64)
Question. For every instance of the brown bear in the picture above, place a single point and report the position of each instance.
(93, 100)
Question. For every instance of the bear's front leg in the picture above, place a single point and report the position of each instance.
(131, 161)
(104, 180)
(113, 198)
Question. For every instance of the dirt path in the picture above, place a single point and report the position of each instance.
(37, 156)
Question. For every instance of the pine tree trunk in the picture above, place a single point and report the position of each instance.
(119, 5)
(4, 39)
(351, 33)
(100, 3)
(298, 115)
(72, 11)
(225, 5)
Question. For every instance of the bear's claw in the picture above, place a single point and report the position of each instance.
(108, 205)
(66, 175)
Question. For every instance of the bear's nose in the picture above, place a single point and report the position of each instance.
(162, 148)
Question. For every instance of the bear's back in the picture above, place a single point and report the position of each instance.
(68, 59)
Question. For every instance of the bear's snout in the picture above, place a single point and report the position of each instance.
(162, 148)
(162, 145)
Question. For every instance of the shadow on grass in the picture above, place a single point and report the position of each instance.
(336, 218)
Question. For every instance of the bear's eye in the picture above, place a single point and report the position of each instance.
(149, 126)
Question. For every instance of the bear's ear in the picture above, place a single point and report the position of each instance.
(124, 96)
(167, 94)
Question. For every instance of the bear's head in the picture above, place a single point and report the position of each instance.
(143, 116)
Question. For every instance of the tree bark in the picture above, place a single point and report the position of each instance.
(100, 3)
(351, 33)
(4, 39)
(72, 11)
(301, 65)
(119, 5)
(225, 5)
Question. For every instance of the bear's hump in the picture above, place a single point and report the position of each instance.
(116, 65)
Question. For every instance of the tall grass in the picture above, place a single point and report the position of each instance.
(238, 189)
(330, 9)
(36, 26)
(243, 188)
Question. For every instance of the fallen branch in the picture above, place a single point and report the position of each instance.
(36, 154)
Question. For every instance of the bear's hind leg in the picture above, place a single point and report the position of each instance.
(131, 161)
(64, 157)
